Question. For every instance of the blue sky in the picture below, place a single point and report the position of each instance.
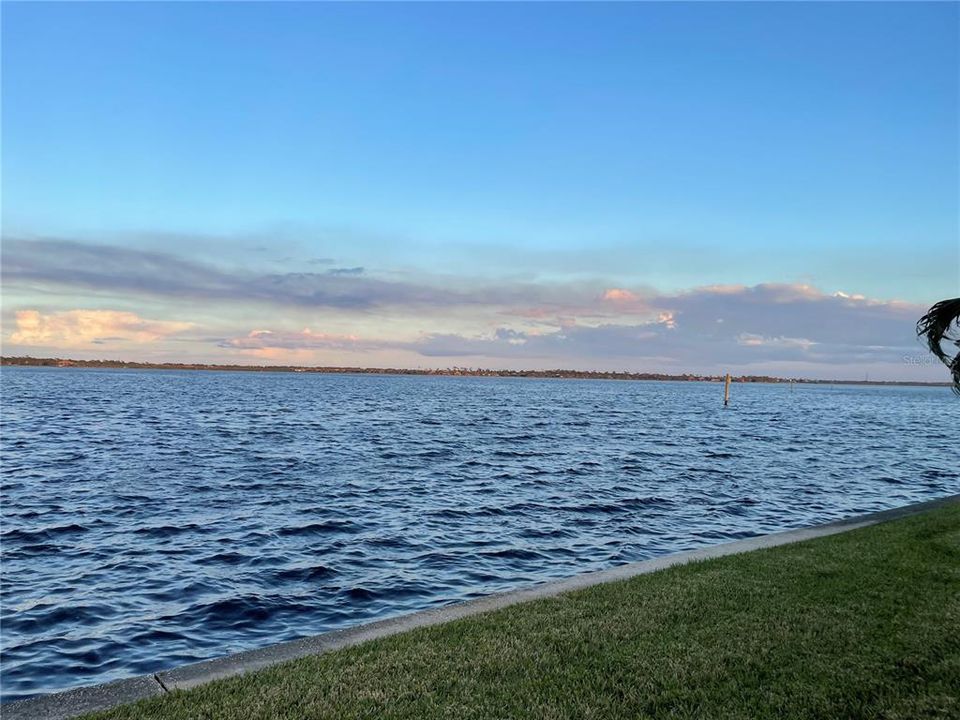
(527, 158)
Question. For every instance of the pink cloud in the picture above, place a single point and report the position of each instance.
(666, 319)
(81, 328)
(620, 295)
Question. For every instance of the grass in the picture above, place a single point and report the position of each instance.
(860, 625)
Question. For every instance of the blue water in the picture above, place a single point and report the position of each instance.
(151, 519)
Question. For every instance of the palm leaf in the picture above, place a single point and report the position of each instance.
(942, 323)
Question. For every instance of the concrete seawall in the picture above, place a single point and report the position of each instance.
(74, 702)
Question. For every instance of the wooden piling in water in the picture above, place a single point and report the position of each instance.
(726, 391)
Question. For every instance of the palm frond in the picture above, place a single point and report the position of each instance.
(942, 323)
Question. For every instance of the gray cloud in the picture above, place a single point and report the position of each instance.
(63, 262)
(108, 268)
(772, 310)
(702, 328)
(111, 268)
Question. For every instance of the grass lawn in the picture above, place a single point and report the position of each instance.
(860, 625)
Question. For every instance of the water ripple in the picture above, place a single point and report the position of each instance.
(152, 519)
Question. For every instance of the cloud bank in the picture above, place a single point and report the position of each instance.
(356, 314)
(700, 328)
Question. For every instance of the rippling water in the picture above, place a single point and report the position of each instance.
(156, 518)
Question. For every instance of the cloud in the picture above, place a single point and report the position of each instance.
(128, 272)
(302, 340)
(696, 329)
(80, 328)
(583, 324)
(619, 295)
(111, 269)
(797, 311)
(124, 271)
(751, 340)
(666, 318)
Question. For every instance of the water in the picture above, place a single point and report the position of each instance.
(152, 519)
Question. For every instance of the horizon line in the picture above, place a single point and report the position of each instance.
(452, 371)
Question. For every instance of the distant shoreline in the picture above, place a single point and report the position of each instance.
(452, 372)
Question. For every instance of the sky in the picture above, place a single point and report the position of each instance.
(762, 188)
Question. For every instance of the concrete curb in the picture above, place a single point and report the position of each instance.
(70, 703)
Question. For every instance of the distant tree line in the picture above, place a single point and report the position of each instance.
(453, 371)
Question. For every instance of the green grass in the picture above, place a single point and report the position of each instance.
(860, 625)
